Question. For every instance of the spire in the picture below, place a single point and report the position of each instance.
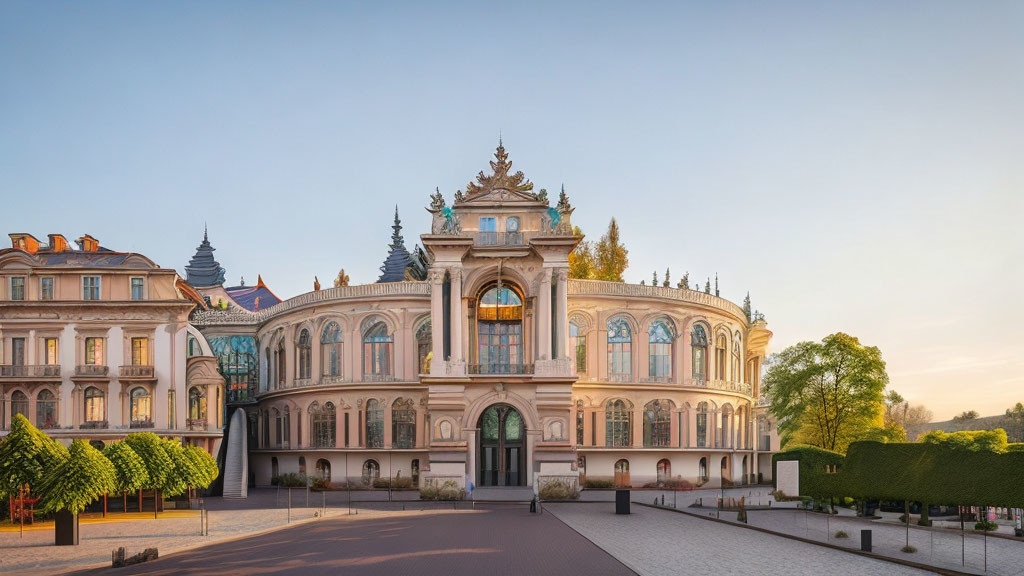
(393, 269)
(203, 269)
(746, 307)
(716, 283)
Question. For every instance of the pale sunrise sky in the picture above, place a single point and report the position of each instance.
(857, 167)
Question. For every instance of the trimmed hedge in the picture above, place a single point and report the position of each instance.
(816, 464)
(931, 473)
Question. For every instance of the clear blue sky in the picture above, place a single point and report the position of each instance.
(856, 166)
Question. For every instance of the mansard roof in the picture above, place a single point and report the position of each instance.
(203, 270)
(248, 296)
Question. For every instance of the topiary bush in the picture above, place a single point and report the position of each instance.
(449, 490)
(986, 525)
(840, 534)
(559, 490)
(291, 480)
(908, 549)
(598, 482)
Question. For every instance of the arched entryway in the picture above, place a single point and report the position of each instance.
(502, 447)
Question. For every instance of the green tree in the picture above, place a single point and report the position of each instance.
(668, 279)
(25, 456)
(1014, 423)
(612, 258)
(78, 480)
(158, 464)
(581, 259)
(901, 415)
(182, 473)
(204, 463)
(827, 394)
(966, 415)
(972, 440)
(130, 473)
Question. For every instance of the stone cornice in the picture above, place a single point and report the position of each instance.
(603, 288)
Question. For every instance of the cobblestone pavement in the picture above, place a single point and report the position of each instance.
(662, 543)
(492, 539)
(936, 547)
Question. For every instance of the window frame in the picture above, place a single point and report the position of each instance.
(142, 288)
(20, 289)
(618, 424)
(43, 280)
(90, 287)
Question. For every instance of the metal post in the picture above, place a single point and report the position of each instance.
(963, 537)
(289, 505)
(323, 504)
(985, 537)
(389, 476)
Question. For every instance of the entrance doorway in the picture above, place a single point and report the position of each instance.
(502, 447)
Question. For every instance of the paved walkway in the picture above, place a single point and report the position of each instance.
(492, 540)
(664, 543)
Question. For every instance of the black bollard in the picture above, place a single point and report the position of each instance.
(622, 501)
(865, 540)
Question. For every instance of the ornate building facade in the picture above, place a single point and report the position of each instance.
(476, 359)
(93, 345)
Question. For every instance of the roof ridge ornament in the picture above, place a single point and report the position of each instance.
(499, 179)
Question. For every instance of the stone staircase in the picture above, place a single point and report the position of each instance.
(236, 460)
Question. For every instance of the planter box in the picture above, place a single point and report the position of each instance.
(65, 531)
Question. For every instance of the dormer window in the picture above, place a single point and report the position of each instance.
(18, 288)
(90, 287)
(46, 288)
(137, 289)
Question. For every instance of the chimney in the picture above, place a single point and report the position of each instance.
(26, 242)
(88, 244)
(58, 243)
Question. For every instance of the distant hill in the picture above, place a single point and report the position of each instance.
(980, 423)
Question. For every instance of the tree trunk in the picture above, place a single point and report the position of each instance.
(924, 521)
(104, 505)
(906, 514)
(140, 499)
(156, 502)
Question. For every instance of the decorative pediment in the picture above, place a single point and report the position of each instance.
(500, 185)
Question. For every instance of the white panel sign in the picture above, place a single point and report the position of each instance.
(788, 477)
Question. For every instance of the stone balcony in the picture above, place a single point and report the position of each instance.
(30, 372)
(91, 372)
(136, 372)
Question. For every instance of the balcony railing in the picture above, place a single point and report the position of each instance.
(499, 238)
(91, 370)
(378, 377)
(136, 371)
(486, 369)
(31, 371)
(615, 377)
(93, 424)
(141, 424)
(195, 423)
(741, 387)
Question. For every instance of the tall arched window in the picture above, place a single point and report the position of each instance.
(95, 405)
(141, 408)
(424, 348)
(279, 356)
(622, 473)
(580, 411)
(304, 354)
(274, 469)
(736, 358)
(196, 403)
(322, 425)
(660, 341)
(332, 342)
(19, 404)
(499, 324)
(664, 470)
(702, 470)
(278, 423)
(702, 425)
(371, 472)
(620, 350)
(403, 424)
(374, 424)
(271, 364)
(323, 469)
(578, 339)
(725, 436)
(699, 352)
(618, 421)
(46, 410)
(377, 343)
(286, 427)
(720, 345)
(657, 423)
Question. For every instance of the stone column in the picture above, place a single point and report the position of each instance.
(561, 314)
(544, 316)
(437, 321)
(456, 314)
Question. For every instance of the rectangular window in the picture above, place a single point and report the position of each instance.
(18, 288)
(18, 351)
(488, 230)
(46, 288)
(137, 289)
(90, 287)
(140, 351)
(52, 356)
(346, 429)
(94, 351)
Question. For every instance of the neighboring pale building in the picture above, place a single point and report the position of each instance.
(476, 357)
(94, 345)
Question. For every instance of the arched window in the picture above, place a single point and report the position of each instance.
(19, 404)
(374, 424)
(274, 469)
(580, 411)
(622, 473)
(617, 423)
(271, 362)
(278, 436)
(660, 341)
(332, 342)
(578, 339)
(403, 424)
(424, 347)
(764, 434)
(499, 324)
(266, 428)
(702, 425)
(725, 436)
(196, 403)
(664, 470)
(377, 343)
(620, 350)
(95, 405)
(46, 410)
(736, 358)
(371, 472)
(657, 423)
(699, 352)
(726, 472)
(702, 470)
(302, 464)
(286, 427)
(322, 425)
(720, 345)
(279, 356)
(141, 408)
(304, 355)
(323, 469)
